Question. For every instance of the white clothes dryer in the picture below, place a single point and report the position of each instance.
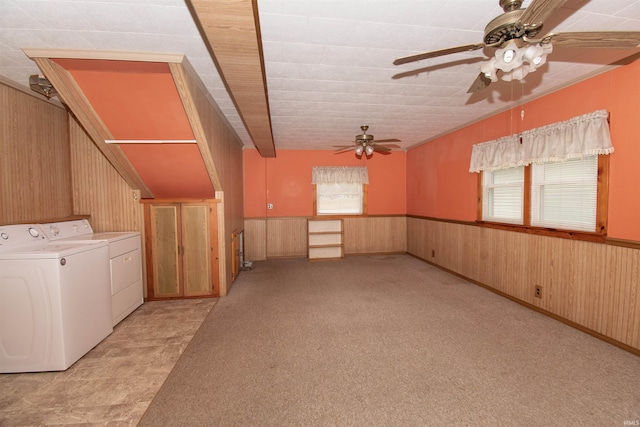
(55, 301)
(125, 261)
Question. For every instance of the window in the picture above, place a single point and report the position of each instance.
(561, 195)
(554, 177)
(339, 198)
(340, 190)
(564, 195)
(502, 195)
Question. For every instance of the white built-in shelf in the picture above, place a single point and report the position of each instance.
(325, 238)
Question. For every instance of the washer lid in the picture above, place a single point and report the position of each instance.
(111, 236)
(53, 250)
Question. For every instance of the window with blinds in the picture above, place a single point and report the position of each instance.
(554, 177)
(503, 195)
(565, 194)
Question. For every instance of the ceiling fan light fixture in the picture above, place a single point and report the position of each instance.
(509, 57)
(536, 54)
(517, 73)
(523, 60)
(489, 70)
(359, 150)
(369, 150)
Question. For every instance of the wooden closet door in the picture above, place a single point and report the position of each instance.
(165, 250)
(197, 249)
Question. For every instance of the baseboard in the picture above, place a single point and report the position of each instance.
(376, 253)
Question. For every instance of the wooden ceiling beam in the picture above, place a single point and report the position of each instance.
(182, 80)
(231, 31)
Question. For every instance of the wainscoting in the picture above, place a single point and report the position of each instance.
(287, 236)
(592, 285)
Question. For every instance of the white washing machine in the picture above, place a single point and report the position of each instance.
(125, 261)
(55, 301)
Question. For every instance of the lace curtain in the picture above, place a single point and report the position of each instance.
(580, 136)
(351, 174)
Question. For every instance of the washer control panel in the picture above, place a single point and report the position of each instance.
(67, 229)
(17, 236)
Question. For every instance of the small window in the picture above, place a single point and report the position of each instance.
(339, 198)
(564, 194)
(503, 195)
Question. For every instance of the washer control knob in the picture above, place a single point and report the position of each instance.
(34, 232)
(4, 236)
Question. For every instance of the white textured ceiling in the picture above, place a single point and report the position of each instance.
(328, 62)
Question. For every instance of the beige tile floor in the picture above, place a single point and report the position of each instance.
(115, 382)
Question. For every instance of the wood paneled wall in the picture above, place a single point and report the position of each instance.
(371, 235)
(98, 189)
(593, 285)
(255, 239)
(35, 176)
(287, 237)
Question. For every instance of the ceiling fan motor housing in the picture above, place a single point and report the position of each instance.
(507, 26)
(364, 139)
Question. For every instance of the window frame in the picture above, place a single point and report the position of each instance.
(365, 193)
(602, 209)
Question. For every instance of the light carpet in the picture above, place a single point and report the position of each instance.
(388, 340)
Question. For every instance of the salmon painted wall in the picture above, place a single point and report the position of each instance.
(139, 101)
(285, 181)
(439, 184)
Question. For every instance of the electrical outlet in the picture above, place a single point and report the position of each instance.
(538, 293)
(270, 206)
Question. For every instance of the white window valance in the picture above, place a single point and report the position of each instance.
(580, 136)
(331, 174)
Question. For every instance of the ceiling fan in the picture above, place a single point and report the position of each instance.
(366, 144)
(518, 51)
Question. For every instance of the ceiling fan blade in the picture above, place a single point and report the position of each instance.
(389, 145)
(602, 39)
(538, 11)
(381, 148)
(343, 150)
(480, 83)
(441, 52)
(388, 140)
